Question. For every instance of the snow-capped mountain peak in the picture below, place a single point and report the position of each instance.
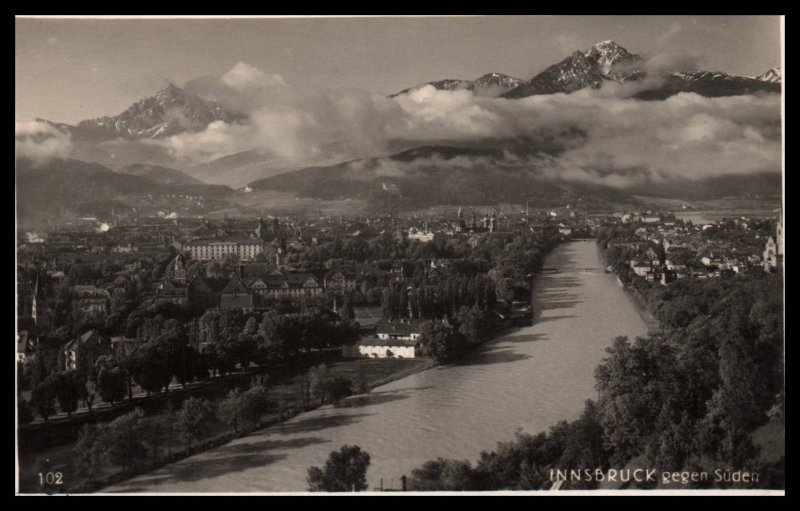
(774, 75)
(490, 84)
(608, 54)
(169, 111)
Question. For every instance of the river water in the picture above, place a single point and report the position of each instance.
(529, 378)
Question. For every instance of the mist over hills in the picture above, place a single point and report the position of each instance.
(603, 118)
(435, 175)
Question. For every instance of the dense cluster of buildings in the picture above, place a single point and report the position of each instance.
(685, 251)
(256, 262)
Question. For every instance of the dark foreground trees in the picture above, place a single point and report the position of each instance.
(442, 342)
(345, 470)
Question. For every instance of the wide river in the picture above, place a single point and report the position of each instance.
(529, 378)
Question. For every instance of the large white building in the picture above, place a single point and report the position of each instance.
(393, 339)
(207, 250)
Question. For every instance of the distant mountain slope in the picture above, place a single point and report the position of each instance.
(160, 174)
(435, 175)
(170, 111)
(763, 185)
(237, 169)
(774, 75)
(439, 175)
(709, 84)
(490, 85)
(61, 186)
(604, 61)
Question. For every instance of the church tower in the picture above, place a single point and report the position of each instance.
(177, 269)
(33, 302)
(261, 230)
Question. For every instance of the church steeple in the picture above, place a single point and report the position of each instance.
(33, 302)
(178, 270)
(261, 230)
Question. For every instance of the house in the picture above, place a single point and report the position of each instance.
(236, 295)
(124, 346)
(24, 347)
(401, 329)
(176, 269)
(82, 352)
(172, 291)
(207, 250)
(770, 255)
(284, 284)
(340, 280)
(652, 276)
(91, 300)
(377, 348)
(640, 269)
(393, 339)
(423, 236)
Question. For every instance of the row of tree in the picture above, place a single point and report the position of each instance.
(129, 440)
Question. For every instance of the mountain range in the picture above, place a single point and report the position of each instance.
(133, 154)
(607, 61)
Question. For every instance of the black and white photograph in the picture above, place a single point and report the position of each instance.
(399, 255)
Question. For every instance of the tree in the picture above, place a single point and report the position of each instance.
(24, 413)
(442, 475)
(39, 371)
(345, 470)
(111, 385)
(69, 388)
(123, 439)
(88, 451)
(442, 342)
(150, 368)
(475, 324)
(43, 398)
(230, 409)
(633, 382)
(328, 386)
(254, 404)
(302, 388)
(128, 367)
(193, 415)
(90, 393)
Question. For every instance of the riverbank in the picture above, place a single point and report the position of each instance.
(531, 377)
(638, 302)
(373, 372)
(636, 299)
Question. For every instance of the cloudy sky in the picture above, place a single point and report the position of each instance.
(68, 70)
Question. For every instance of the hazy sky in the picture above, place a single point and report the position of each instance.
(68, 70)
